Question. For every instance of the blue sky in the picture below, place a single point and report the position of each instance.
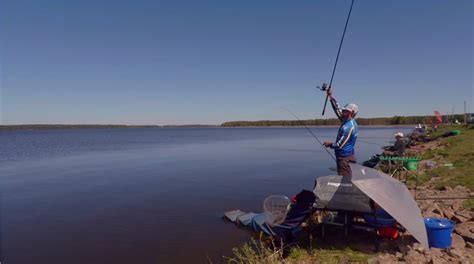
(182, 62)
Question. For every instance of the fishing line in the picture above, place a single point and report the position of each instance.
(368, 142)
(337, 57)
(374, 137)
(311, 132)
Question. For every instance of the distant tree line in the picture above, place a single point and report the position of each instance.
(396, 120)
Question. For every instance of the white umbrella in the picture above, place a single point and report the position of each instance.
(394, 197)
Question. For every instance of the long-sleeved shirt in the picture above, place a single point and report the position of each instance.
(347, 134)
(337, 109)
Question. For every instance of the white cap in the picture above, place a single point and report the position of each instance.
(399, 134)
(351, 107)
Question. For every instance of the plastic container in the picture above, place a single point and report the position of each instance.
(439, 231)
(411, 163)
(381, 219)
(456, 132)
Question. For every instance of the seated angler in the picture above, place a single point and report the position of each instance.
(398, 149)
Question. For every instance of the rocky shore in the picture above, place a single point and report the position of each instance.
(462, 249)
(453, 203)
(443, 187)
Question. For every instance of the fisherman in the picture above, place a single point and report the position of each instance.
(346, 136)
(398, 149)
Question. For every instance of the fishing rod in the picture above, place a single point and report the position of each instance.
(368, 142)
(324, 86)
(311, 132)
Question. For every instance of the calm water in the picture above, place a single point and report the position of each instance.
(149, 195)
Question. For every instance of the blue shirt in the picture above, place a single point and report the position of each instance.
(347, 134)
(346, 138)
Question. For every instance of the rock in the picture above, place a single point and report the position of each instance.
(384, 258)
(437, 260)
(469, 245)
(448, 212)
(418, 247)
(430, 208)
(403, 248)
(433, 211)
(456, 206)
(455, 253)
(460, 188)
(446, 188)
(458, 242)
(373, 260)
(385, 246)
(464, 230)
(439, 211)
(433, 215)
(464, 213)
(435, 252)
(459, 219)
(447, 258)
(399, 255)
(448, 202)
(414, 256)
(434, 255)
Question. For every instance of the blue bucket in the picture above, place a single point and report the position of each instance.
(440, 232)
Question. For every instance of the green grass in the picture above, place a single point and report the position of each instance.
(412, 179)
(469, 204)
(329, 256)
(258, 252)
(458, 150)
(334, 248)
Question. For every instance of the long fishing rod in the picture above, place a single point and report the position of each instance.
(324, 87)
(311, 132)
(368, 142)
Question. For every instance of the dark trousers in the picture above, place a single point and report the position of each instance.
(343, 167)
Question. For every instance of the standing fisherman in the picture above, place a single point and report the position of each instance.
(346, 136)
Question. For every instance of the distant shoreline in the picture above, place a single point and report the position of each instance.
(57, 127)
(395, 121)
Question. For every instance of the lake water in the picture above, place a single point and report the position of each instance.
(149, 195)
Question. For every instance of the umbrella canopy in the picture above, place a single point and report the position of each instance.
(394, 197)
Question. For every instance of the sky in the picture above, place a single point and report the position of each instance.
(207, 62)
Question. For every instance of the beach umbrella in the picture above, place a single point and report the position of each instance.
(394, 197)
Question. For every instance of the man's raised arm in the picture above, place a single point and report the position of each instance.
(335, 105)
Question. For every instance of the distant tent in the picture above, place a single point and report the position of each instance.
(438, 116)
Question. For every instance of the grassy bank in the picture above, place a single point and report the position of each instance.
(453, 159)
(333, 250)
